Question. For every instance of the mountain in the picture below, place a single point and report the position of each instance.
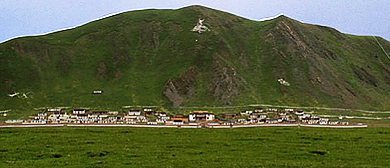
(152, 57)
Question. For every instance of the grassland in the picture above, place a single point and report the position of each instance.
(142, 147)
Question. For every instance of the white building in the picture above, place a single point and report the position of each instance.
(201, 115)
(134, 112)
(78, 111)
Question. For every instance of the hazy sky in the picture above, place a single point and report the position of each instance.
(31, 17)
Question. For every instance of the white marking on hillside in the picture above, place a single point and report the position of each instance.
(5, 111)
(283, 82)
(200, 27)
(20, 95)
(14, 94)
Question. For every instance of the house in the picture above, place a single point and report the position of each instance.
(134, 113)
(229, 116)
(79, 111)
(179, 117)
(152, 123)
(258, 111)
(194, 123)
(130, 117)
(160, 121)
(245, 113)
(97, 92)
(299, 112)
(131, 122)
(272, 110)
(54, 110)
(257, 116)
(112, 113)
(201, 116)
(262, 116)
(253, 120)
(148, 111)
(141, 118)
(213, 123)
(229, 123)
(165, 118)
(304, 117)
(261, 121)
(14, 121)
(35, 122)
(103, 115)
(177, 122)
(273, 121)
(42, 115)
(57, 117)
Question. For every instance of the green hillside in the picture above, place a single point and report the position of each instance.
(151, 57)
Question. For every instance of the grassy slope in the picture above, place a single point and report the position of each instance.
(251, 147)
(132, 55)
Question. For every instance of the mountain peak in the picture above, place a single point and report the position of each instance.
(152, 57)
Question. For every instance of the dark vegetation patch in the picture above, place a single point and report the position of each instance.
(56, 155)
(312, 138)
(127, 131)
(252, 139)
(104, 153)
(381, 132)
(357, 138)
(174, 146)
(96, 131)
(7, 131)
(48, 155)
(97, 154)
(134, 156)
(318, 152)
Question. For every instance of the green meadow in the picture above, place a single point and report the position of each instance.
(162, 147)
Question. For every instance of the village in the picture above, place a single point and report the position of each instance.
(150, 116)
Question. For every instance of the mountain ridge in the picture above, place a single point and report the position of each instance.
(151, 57)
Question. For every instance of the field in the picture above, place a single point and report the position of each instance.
(143, 147)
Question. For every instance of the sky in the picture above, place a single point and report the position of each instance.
(37, 17)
